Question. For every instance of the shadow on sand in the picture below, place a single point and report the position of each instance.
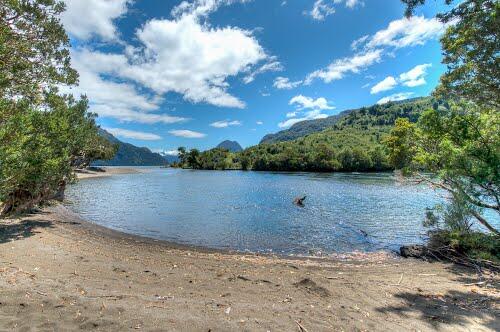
(454, 307)
(12, 230)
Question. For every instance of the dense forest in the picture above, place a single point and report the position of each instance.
(353, 142)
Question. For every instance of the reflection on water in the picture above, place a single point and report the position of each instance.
(253, 211)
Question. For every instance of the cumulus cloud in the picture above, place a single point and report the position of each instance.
(340, 67)
(303, 102)
(184, 54)
(186, 133)
(415, 76)
(225, 124)
(323, 8)
(284, 83)
(260, 123)
(412, 78)
(139, 135)
(112, 99)
(311, 115)
(386, 84)
(85, 19)
(316, 106)
(405, 32)
(395, 97)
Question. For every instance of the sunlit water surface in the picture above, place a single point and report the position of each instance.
(253, 211)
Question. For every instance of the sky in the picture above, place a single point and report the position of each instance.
(170, 73)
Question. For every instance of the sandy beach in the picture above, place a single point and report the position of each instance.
(59, 272)
(105, 171)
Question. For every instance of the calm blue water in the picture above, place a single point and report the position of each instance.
(253, 211)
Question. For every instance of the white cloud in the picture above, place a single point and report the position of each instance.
(395, 97)
(272, 65)
(186, 133)
(311, 115)
(303, 102)
(323, 8)
(225, 124)
(139, 135)
(415, 76)
(260, 123)
(388, 83)
(112, 99)
(358, 42)
(84, 19)
(400, 33)
(407, 32)
(340, 67)
(168, 152)
(284, 83)
(185, 55)
(411, 78)
(353, 3)
(316, 106)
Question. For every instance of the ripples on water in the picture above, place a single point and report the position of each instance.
(253, 211)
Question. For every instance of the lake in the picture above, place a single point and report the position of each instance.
(254, 211)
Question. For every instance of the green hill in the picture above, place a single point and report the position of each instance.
(129, 155)
(384, 114)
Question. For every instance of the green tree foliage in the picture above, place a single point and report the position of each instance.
(34, 55)
(457, 149)
(43, 135)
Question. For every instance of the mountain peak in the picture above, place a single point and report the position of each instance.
(232, 146)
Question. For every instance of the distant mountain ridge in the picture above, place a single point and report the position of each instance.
(307, 127)
(232, 146)
(130, 155)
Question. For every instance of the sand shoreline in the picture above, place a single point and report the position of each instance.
(106, 171)
(59, 272)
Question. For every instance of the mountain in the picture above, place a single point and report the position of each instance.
(391, 109)
(232, 146)
(129, 155)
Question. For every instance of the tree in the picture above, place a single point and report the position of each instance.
(43, 136)
(192, 159)
(457, 148)
(182, 155)
(34, 53)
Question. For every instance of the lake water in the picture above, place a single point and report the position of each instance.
(254, 211)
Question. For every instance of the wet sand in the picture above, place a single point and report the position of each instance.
(105, 171)
(59, 272)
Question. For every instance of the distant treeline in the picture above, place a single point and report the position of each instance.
(353, 143)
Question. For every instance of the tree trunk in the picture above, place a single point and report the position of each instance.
(484, 222)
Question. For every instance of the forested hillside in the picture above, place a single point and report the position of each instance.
(129, 155)
(354, 142)
(385, 114)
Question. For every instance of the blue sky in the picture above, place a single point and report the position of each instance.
(164, 74)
